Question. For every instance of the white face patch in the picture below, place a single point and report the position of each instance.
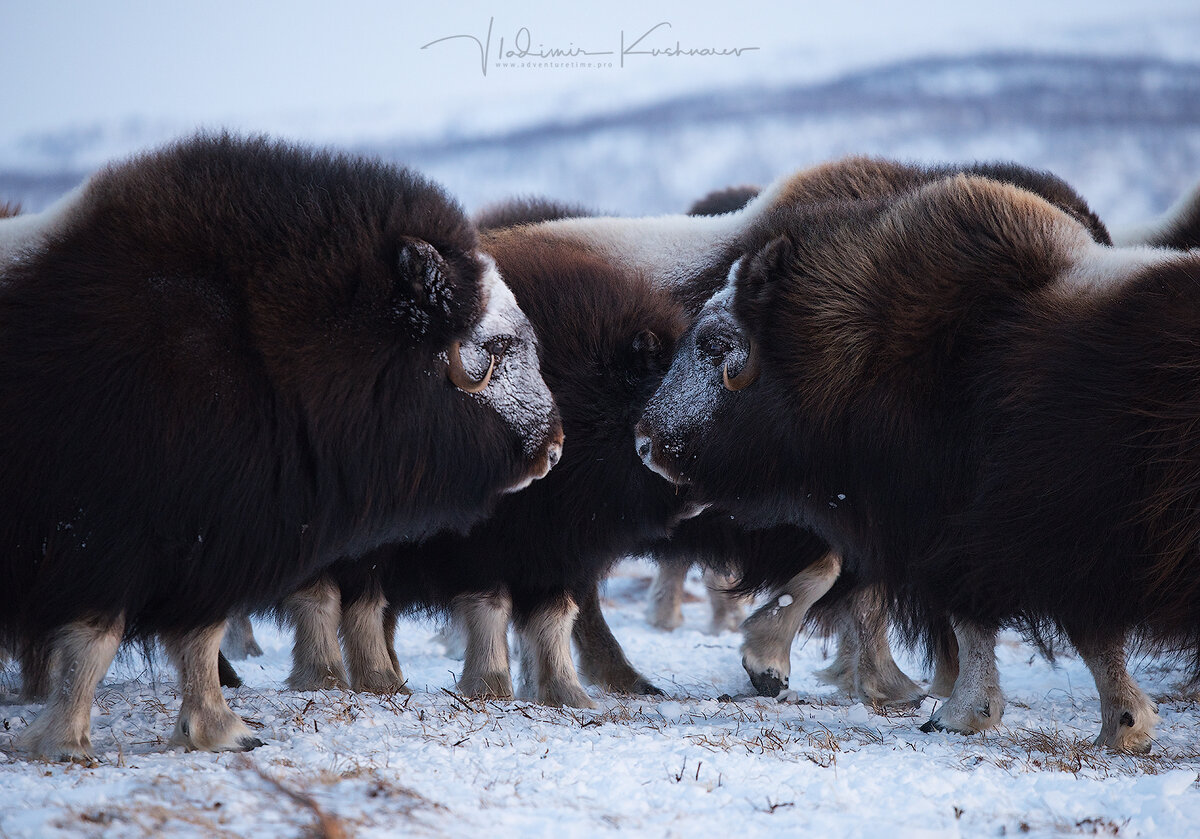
(516, 390)
(1099, 267)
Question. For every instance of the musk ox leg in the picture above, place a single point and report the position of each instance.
(945, 668)
(840, 673)
(227, 674)
(768, 633)
(728, 610)
(206, 722)
(239, 642)
(548, 674)
(452, 637)
(1127, 715)
(877, 679)
(36, 670)
(976, 703)
(389, 636)
(601, 658)
(368, 653)
(484, 620)
(315, 613)
(81, 653)
(665, 610)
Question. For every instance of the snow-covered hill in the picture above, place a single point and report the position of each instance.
(1124, 131)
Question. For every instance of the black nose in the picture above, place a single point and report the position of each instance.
(554, 453)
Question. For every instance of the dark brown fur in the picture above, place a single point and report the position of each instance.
(721, 201)
(529, 210)
(216, 379)
(986, 442)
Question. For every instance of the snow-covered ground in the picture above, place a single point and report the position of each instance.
(689, 765)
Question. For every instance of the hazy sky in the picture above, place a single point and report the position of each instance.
(358, 64)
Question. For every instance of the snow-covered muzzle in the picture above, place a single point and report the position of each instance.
(498, 365)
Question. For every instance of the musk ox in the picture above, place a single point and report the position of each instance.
(606, 336)
(223, 366)
(864, 667)
(980, 405)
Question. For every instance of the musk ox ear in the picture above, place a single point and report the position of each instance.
(647, 344)
(647, 355)
(423, 271)
(757, 278)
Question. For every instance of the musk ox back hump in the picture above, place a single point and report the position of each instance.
(222, 366)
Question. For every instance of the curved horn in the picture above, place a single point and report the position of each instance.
(458, 373)
(747, 376)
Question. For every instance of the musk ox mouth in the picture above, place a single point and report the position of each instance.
(551, 455)
(653, 460)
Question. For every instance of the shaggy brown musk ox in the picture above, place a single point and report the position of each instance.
(223, 366)
(981, 406)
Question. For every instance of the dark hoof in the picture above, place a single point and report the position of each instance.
(647, 689)
(247, 744)
(768, 683)
(931, 727)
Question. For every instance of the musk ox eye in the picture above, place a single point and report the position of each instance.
(714, 347)
(499, 345)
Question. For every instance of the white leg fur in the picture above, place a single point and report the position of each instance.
(728, 610)
(484, 620)
(546, 640)
(366, 647)
(769, 632)
(1127, 716)
(877, 679)
(315, 613)
(81, 653)
(976, 703)
(206, 722)
(666, 596)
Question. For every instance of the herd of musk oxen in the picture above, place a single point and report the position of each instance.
(238, 377)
